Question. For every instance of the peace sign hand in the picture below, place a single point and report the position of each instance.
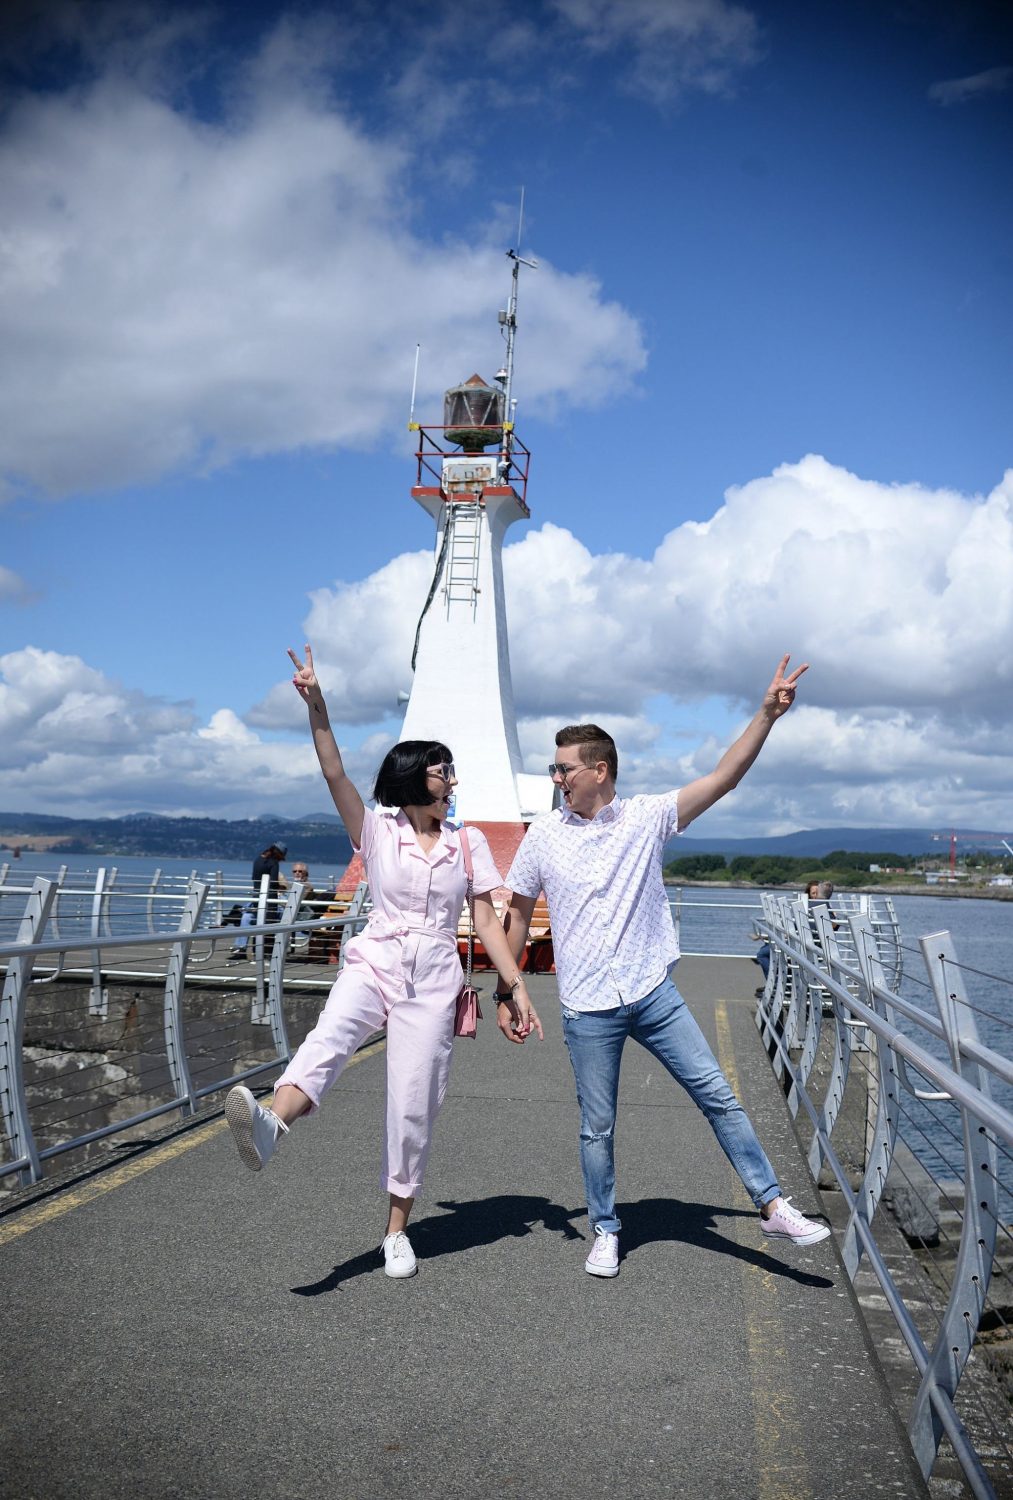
(781, 694)
(305, 679)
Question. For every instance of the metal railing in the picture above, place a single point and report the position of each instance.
(835, 1016)
(108, 900)
(878, 908)
(77, 1066)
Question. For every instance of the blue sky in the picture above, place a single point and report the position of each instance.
(764, 369)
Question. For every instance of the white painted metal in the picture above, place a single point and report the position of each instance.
(98, 995)
(462, 692)
(13, 1101)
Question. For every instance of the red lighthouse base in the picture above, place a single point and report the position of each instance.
(504, 841)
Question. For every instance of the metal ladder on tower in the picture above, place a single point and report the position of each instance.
(464, 518)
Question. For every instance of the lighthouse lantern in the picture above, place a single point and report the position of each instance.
(473, 415)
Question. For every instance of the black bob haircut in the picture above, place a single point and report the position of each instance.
(401, 779)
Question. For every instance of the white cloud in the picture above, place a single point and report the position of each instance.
(72, 741)
(362, 636)
(962, 90)
(670, 47)
(176, 291)
(900, 596)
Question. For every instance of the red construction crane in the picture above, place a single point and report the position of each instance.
(979, 840)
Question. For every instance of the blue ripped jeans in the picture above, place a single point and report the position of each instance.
(662, 1023)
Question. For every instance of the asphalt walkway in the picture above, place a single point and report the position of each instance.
(179, 1327)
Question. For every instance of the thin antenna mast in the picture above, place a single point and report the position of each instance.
(415, 381)
(509, 321)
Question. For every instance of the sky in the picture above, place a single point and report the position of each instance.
(763, 367)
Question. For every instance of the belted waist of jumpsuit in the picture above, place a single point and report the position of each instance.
(383, 927)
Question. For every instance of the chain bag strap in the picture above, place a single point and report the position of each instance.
(468, 1012)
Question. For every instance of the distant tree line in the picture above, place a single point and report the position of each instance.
(152, 835)
(842, 866)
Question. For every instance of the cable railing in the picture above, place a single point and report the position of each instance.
(104, 1031)
(108, 900)
(892, 1064)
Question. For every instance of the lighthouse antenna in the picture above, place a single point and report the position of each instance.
(415, 382)
(509, 321)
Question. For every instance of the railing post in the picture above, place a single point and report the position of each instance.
(276, 974)
(258, 1010)
(839, 1067)
(107, 901)
(172, 1006)
(799, 980)
(883, 1107)
(13, 1104)
(973, 1268)
(98, 996)
(54, 918)
(355, 906)
(814, 1006)
(149, 905)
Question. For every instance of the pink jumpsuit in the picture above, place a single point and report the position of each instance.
(403, 972)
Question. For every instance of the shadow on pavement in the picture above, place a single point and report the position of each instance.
(653, 1219)
(483, 1221)
(480, 1221)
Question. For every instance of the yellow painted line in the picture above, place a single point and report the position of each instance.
(54, 1208)
(780, 1449)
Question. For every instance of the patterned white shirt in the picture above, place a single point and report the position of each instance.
(612, 930)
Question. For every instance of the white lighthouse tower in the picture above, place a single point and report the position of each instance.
(472, 479)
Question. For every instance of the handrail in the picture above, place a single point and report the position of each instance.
(809, 980)
(221, 1053)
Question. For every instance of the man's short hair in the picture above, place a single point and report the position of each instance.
(593, 745)
(826, 889)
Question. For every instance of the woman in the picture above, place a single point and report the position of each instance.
(402, 971)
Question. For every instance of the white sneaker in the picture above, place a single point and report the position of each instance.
(256, 1131)
(786, 1223)
(398, 1255)
(604, 1257)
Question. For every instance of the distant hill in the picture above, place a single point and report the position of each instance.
(145, 834)
(321, 836)
(817, 842)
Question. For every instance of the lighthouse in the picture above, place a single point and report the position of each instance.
(471, 478)
(472, 475)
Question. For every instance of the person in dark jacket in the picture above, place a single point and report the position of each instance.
(267, 863)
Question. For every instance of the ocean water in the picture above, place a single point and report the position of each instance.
(711, 920)
(128, 907)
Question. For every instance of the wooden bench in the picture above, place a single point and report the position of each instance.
(538, 957)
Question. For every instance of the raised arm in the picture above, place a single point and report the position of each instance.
(342, 789)
(733, 765)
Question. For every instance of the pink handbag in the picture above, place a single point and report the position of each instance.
(468, 1012)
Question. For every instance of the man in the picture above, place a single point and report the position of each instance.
(301, 876)
(762, 957)
(267, 863)
(598, 860)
